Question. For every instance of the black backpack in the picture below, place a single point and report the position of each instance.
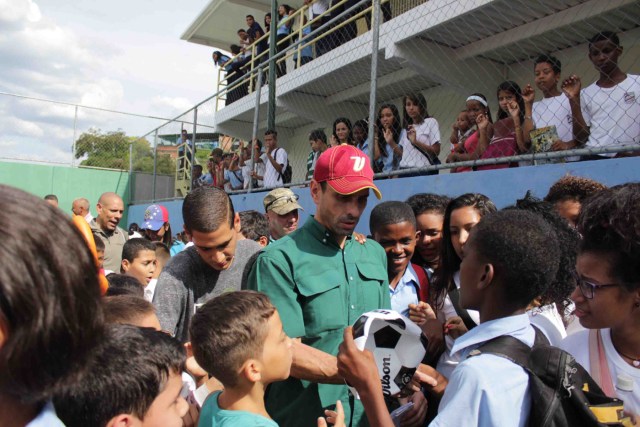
(563, 394)
(287, 172)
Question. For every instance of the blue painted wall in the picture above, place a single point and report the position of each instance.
(502, 186)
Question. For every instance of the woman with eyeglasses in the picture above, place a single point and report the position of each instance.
(607, 297)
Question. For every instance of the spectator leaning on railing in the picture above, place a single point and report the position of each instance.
(284, 30)
(275, 160)
(255, 31)
(318, 143)
(553, 110)
(606, 113)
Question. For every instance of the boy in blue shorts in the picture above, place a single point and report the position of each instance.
(238, 338)
(510, 258)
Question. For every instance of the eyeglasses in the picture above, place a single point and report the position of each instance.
(287, 199)
(588, 288)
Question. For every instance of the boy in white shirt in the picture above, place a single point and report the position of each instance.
(509, 259)
(275, 161)
(606, 113)
(554, 109)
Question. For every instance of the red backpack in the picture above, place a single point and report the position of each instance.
(423, 289)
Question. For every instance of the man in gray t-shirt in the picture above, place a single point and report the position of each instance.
(216, 263)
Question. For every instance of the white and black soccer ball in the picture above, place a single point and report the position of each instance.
(397, 344)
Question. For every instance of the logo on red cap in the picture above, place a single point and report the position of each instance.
(358, 163)
(346, 169)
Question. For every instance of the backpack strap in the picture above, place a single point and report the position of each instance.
(599, 368)
(454, 295)
(507, 347)
(236, 174)
(541, 338)
(423, 289)
(275, 157)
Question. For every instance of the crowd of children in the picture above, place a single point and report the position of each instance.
(181, 341)
(604, 115)
(467, 274)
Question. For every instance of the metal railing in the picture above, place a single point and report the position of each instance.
(296, 41)
(450, 98)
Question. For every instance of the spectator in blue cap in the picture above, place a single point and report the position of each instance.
(156, 225)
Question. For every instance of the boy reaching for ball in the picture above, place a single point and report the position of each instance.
(238, 338)
(509, 259)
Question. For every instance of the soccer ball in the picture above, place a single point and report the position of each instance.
(397, 344)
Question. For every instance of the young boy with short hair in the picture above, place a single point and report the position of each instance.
(121, 284)
(99, 251)
(510, 258)
(607, 112)
(238, 338)
(393, 226)
(254, 226)
(139, 260)
(130, 310)
(112, 393)
(318, 143)
(553, 110)
(163, 255)
(429, 211)
(462, 128)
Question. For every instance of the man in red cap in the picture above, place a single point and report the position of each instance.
(321, 280)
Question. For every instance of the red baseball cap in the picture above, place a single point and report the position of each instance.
(346, 169)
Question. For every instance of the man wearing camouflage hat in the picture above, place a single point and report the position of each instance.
(281, 206)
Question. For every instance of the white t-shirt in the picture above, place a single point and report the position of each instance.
(448, 362)
(578, 346)
(555, 111)
(259, 169)
(318, 7)
(150, 289)
(612, 113)
(427, 132)
(272, 178)
(548, 320)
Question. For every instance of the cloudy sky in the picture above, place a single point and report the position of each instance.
(123, 55)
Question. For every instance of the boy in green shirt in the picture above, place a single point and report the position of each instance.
(238, 338)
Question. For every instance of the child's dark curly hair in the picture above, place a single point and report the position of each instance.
(523, 249)
(610, 225)
(564, 283)
(573, 188)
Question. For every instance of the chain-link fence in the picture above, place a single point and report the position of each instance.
(421, 86)
(51, 132)
(426, 87)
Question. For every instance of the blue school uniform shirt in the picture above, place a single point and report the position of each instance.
(405, 292)
(307, 50)
(390, 161)
(211, 415)
(283, 29)
(234, 178)
(46, 418)
(488, 390)
(364, 147)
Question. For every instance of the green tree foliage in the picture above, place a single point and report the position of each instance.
(111, 150)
